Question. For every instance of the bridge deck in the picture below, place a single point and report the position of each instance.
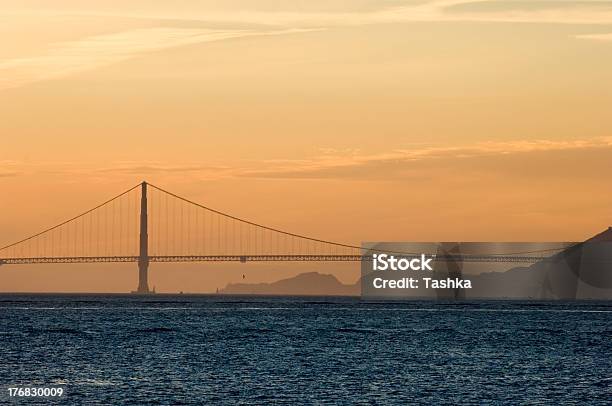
(260, 258)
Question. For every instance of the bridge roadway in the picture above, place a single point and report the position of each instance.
(261, 258)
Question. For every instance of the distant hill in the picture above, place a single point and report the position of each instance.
(304, 284)
(582, 271)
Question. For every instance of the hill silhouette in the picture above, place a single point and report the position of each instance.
(581, 271)
(304, 284)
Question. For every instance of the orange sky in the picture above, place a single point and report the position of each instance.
(348, 120)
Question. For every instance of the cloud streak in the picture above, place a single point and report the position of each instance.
(557, 12)
(66, 59)
(330, 164)
(355, 164)
(8, 174)
(596, 37)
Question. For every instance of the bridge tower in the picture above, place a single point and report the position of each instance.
(143, 258)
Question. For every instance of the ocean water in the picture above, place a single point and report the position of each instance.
(183, 349)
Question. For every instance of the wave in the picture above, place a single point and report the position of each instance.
(157, 330)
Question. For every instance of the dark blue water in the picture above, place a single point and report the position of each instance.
(206, 349)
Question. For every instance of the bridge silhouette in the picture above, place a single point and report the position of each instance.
(148, 224)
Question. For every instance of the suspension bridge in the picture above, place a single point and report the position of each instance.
(148, 224)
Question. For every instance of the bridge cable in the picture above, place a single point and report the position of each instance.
(68, 221)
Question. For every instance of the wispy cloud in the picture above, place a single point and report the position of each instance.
(534, 11)
(358, 164)
(65, 59)
(7, 174)
(596, 37)
(330, 164)
(164, 168)
(10, 168)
